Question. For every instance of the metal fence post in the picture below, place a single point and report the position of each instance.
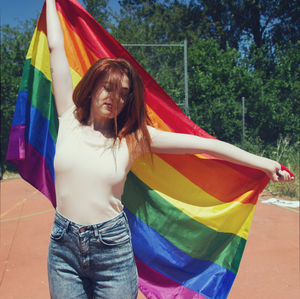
(184, 45)
(243, 122)
(186, 93)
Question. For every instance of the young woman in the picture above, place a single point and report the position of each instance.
(103, 128)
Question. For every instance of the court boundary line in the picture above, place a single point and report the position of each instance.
(26, 216)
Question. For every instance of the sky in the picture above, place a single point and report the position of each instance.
(13, 10)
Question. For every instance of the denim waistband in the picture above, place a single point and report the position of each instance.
(78, 228)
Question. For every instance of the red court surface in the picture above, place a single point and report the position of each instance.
(269, 268)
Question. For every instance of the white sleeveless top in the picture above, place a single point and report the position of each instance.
(90, 172)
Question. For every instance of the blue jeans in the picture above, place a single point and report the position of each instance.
(94, 261)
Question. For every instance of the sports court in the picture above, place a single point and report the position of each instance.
(269, 268)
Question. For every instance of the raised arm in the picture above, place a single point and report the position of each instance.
(174, 143)
(60, 72)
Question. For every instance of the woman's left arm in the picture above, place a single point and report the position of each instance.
(175, 143)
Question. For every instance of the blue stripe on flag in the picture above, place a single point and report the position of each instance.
(204, 277)
(37, 132)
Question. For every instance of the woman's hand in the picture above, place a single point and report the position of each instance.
(276, 173)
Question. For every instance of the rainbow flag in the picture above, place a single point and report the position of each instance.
(189, 214)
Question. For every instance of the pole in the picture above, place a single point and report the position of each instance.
(184, 45)
(243, 122)
(186, 94)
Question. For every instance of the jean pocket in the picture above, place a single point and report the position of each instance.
(57, 231)
(116, 235)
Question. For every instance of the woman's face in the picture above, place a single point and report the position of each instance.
(102, 105)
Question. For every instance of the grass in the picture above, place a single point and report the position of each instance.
(288, 155)
(10, 175)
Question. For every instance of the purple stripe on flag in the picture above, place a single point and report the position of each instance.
(33, 169)
(155, 285)
(16, 143)
(202, 276)
(31, 125)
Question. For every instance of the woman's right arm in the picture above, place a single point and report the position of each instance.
(60, 71)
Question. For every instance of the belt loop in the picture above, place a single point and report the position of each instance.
(67, 225)
(96, 232)
(125, 216)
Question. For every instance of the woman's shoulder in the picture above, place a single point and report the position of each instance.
(69, 113)
(154, 132)
(68, 121)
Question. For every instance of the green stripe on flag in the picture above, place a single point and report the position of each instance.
(224, 249)
(39, 87)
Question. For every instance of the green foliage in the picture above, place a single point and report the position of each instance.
(217, 82)
(220, 78)
(155, 21)
(166, 65)
(285, 152)
(278, 93)
(228, 22)
(14, 45)
(100, 11)
(263, 21)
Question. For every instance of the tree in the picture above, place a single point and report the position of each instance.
(220, 78)
(14, 46)
(99, 10)
(217, 82)
(279, 96)
(230, 22)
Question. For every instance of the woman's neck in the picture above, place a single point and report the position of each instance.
(103, 125)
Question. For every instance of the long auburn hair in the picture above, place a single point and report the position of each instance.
(131, 123)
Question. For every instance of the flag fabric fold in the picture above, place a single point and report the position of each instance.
(189, 215)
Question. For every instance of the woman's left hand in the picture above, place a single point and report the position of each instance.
(277, 174)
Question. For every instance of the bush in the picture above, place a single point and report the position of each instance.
(285, 153)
